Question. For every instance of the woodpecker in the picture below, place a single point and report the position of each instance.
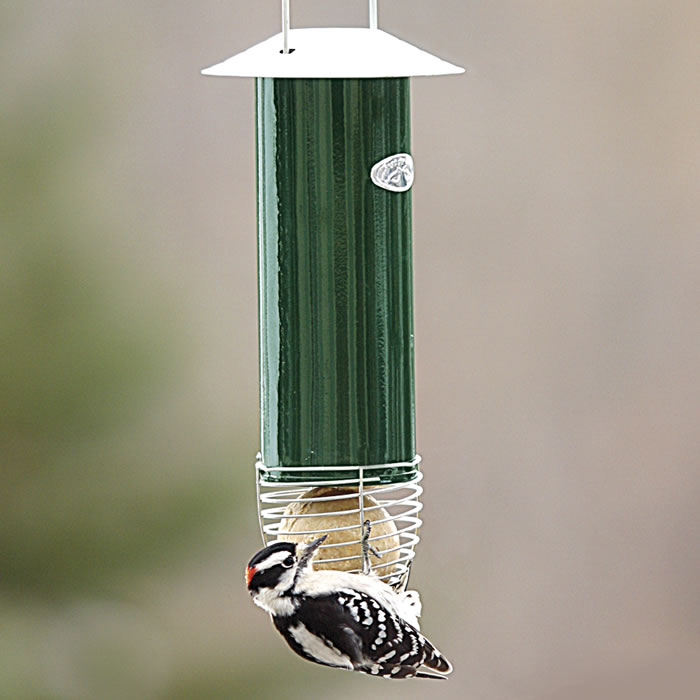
(341, 619)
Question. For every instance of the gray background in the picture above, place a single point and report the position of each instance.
(557, 289)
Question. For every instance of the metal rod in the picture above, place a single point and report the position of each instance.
(361, 494)
(373, 14)
(285, 26)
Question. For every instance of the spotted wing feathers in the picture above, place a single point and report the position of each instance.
(360, 633)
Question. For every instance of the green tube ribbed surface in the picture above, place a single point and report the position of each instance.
(335, 273)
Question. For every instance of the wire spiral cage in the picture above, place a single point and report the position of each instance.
(299, 504)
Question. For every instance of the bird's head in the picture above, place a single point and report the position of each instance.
(276, 569)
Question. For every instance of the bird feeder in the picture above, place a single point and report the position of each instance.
(334, 177)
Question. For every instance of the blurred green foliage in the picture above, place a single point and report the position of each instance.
(90, 502)
(76, 367)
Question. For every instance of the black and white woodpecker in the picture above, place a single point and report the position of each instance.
(341, 619)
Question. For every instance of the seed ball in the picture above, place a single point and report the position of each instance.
(328, 519)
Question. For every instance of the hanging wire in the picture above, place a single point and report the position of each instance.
(373, 23)
(373, 14)
(285, 26)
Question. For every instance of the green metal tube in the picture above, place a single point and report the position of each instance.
(335, 275)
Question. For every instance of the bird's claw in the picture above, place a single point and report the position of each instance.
(367, 548)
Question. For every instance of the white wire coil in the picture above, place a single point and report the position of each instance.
(367, 493)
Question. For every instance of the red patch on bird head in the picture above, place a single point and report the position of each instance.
(249, 571)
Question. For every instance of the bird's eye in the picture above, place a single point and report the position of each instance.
(288, 562)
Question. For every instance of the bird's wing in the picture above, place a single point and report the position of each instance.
(372, 637)
(323, 631)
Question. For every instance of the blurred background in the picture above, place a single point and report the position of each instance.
(557, 282)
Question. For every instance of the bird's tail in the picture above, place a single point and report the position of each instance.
(435, 660)
(399, 672)
(436, 676)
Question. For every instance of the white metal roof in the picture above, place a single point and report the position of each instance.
(333, 52)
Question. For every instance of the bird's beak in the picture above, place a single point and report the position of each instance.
(310, 550)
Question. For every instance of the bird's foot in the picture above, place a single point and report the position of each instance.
(367, 548)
